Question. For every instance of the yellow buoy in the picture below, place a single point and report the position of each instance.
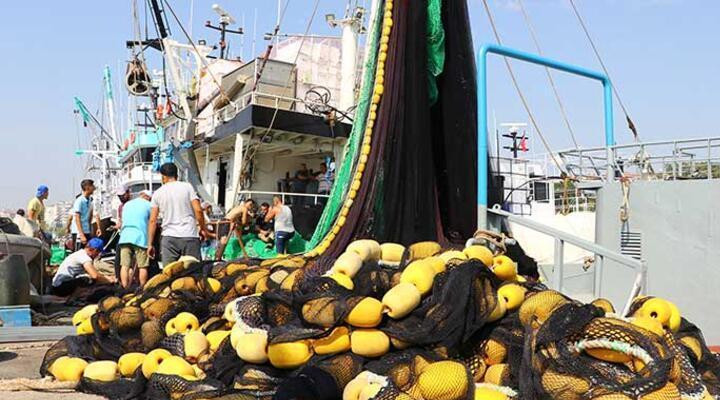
(366, 314)
(103, 371)
(443, 380)
(513, 294)
(290, 354)
(337, 341)
(128, 363)
(419, 274)
(68, 369)
(504, 268)
(369, 342)
(391, 252)
(152, 361)
(175, 365)
(401, 300)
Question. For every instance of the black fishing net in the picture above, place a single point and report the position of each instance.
(119, 389)
(460, 303)
(705, 362)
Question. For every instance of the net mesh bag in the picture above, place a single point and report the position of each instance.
(705, 362)
(461, 300)
(69, 346)
(566, 359)
(172, 387)
(119, 389)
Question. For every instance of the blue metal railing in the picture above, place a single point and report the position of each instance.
(482, 200)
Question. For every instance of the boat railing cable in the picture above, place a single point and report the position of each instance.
(580, 19)
(524, 101)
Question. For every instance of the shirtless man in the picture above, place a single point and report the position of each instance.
(238, 218)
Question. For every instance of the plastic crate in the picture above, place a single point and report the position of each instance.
(15, 316)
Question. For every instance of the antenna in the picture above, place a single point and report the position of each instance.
(225, 20)
(254, 34)
(225, 17)
(242, 40)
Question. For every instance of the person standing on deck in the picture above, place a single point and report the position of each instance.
(82, 210)
(300, 183)
(36, 209)
(133, 241)
(182, 218)
(284, 228)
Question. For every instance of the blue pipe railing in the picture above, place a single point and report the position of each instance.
(482, 200)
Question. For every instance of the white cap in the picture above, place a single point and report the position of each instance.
(147, 193)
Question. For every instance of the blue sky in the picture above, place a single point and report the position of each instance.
(663, 56)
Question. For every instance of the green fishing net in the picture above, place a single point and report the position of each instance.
(256, 248)
(435, 47)
(344, 174)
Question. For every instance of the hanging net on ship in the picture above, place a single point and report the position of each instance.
(416, 317)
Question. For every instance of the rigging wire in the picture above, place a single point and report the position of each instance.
(557, 162)
(255, 149)
(269, 48)
(630, 123)
(164, 69)
(531, 29)
(200, 56)
(561, 106)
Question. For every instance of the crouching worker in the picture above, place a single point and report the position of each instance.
(78, 270)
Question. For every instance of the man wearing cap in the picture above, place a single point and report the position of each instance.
(123, 195)
(81, 228)
(36, 207)
(177, 204)
(78, 270)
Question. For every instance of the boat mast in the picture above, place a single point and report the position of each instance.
(351, 25)
(110, 103)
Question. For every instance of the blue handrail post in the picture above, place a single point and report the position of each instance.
(609, 123)
(482, 145)
(482, 142)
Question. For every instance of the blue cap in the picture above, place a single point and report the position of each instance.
(96, 243)
(41, 190)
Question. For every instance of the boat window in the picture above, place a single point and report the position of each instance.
(139, 187)
(541, 192)
(146, 154)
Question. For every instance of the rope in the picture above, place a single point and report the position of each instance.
(46, 384)
(565, 202)
(630, 123)
(625, 207)
(507, 391)
(557, 162)
(621, 347)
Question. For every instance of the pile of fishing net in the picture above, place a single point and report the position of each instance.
(384, 322)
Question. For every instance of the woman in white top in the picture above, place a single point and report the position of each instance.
(284, 228)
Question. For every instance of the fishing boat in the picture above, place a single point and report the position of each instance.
(403, 292)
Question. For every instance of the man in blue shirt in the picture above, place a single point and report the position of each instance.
(81, 227)
(133, 239)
